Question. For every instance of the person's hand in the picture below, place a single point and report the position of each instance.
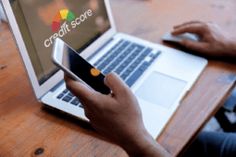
(116, 116)
(213, 40)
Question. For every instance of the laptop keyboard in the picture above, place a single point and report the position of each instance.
(66, 96)
(129, 60)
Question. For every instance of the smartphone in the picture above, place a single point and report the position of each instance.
(77, 67)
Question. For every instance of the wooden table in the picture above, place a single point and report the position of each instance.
(28, 129)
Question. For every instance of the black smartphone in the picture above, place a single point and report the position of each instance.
(77, 67)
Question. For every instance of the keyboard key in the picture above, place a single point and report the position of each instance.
(126, 62)
(119, 70)
(135, 64)
(65, 91)
(75, 102)
(156, 55)
(102, 66)
(108, 70)
(140, 47)
(140, 59)
(144, 66)
(125, 75)
(60, 96)
(146, 52)
(119, 59)
(111, 67)
(67, 99)
(107, 61)
(132, 67)
(128, 51)
(70, 94)
(132, 56)
(137, 52)
(120, 49)
(134, 77)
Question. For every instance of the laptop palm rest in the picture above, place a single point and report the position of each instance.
(161, 89)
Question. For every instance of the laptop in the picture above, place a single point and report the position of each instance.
(159, 76)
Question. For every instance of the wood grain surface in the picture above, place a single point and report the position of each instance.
(28, 129)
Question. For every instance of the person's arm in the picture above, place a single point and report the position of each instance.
(117, 117)
(213, 42)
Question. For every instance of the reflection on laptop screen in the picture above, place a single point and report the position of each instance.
(41, 21)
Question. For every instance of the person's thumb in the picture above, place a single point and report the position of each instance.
(79, 89)
(114, 82)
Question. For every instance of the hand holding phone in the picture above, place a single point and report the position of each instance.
(78, 68)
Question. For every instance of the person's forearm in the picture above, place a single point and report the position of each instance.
(145, 146)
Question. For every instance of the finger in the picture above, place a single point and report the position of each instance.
(198, 29)
(79, 89)
(117, 86)
(187, 23)
(195, 46)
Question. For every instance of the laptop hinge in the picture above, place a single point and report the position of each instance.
(56, 86)
(53, 89)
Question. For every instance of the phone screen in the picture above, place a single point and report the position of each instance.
(84, 70)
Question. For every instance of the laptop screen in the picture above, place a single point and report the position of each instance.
(78, 23)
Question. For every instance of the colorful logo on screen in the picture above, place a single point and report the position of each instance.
(62, 15)
(64, 22)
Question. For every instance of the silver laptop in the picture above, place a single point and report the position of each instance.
(159, 76)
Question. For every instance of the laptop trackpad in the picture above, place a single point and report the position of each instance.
(161, 89)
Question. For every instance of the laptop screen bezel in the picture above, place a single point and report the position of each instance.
(42, 89)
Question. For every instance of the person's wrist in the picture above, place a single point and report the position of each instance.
(144, 145)
(138, 145)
